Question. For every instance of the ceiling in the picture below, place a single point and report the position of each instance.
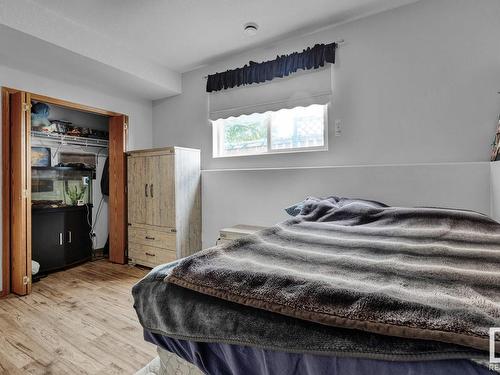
(23, 52)
(184, 34)
(141, 47)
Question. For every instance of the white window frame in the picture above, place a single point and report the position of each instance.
(217, 141)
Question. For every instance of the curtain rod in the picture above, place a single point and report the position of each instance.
(337, 42)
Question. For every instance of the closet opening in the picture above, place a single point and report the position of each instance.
(69, 187)
(65, 197)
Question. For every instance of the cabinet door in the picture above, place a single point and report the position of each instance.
(78, 246)
(48, 240)
(138, 189)
(161, 202)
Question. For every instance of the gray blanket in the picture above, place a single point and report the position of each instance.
(177, 312)
(421, 273)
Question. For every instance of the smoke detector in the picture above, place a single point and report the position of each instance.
(251, 28)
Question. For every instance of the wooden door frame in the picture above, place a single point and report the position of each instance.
(6, 92)
(118, 169)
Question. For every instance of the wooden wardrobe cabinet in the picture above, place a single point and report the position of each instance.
(164, 204)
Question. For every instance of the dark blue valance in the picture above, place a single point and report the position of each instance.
(282, 66)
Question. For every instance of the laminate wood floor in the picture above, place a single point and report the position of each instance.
(78, 321)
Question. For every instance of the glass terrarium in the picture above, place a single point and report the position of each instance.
(61, 186)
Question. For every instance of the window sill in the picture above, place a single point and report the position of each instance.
(275, 152)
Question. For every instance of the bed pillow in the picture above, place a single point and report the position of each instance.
(310, 203)
(295, 209)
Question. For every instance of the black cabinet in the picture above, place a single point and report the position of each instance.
(60, 237)
(47, 239)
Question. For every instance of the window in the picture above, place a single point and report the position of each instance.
(287, 130)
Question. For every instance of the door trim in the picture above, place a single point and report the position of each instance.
(120, 173)
(6, 92)
(71, 105)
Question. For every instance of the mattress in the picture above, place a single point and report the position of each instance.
(226, 359)
(168, 363)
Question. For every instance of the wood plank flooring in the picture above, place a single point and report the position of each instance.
(78, 321)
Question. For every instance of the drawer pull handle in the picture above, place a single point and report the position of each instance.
(149, 254)
(150, 238)
(146, 190)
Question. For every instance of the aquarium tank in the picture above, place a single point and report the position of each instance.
(61, 186)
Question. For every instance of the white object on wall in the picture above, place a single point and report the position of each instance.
(338, 128)
(495, 190)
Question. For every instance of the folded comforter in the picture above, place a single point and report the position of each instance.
(169, 310)
(420, 273)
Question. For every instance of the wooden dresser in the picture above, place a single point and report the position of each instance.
(164, 204)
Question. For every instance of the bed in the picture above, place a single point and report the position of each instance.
(346, 286)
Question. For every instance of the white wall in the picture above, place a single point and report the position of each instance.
(415, 84)
(259, 196)
(138, 110)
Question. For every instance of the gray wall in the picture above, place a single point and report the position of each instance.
(417, 84)
(258, 196)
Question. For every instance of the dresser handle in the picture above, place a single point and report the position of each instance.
(150, 238)
(149, 254)
(151, 190)
(60, 239)
(146, 190)
(69, 236)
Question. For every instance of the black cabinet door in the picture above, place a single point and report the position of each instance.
(48, 240)
(77, 235)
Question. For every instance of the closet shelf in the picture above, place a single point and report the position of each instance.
(71, 140)
(61, 168)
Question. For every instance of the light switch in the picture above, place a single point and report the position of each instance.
(338, 127)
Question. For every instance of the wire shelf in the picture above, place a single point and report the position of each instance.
(71, 140)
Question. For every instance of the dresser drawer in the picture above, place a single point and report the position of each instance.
(150, 256)
(151, 237)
